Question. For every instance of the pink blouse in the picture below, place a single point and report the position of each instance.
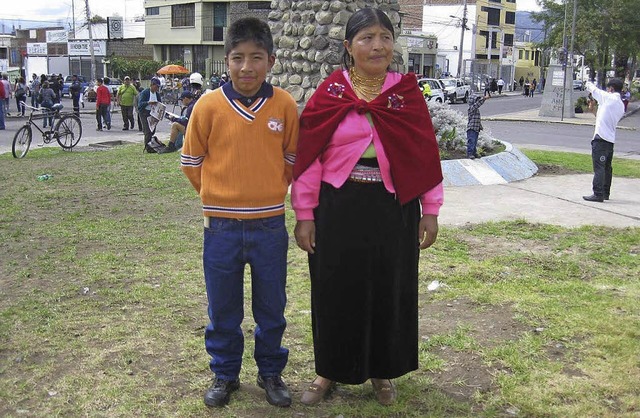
(351, 139)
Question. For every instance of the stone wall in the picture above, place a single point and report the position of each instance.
(133, 48)
(308, 37)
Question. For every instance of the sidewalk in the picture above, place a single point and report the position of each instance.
(531, 115)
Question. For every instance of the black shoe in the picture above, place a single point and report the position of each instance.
(220, 392)
(606, 197)
(125, 129)
(471, 157)
(109, 127)
(593, 198)
(276, 390)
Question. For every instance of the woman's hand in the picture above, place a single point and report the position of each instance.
(427, 231)
(305, 233)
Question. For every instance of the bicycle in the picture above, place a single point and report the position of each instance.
(67, 131)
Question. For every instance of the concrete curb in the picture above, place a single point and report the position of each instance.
(504, 167)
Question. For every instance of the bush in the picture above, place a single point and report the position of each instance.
(451, 131)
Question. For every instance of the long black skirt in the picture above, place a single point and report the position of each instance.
(364, 284)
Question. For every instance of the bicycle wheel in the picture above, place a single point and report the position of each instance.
(21, 142)
(68, 131)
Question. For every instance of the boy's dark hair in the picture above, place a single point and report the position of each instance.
(249, 29)
(616, 83)
(361, 19)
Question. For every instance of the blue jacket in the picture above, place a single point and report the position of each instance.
(143, 99)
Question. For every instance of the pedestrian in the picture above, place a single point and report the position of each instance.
(75, 90)
(139, 89)
(367, 192)
(107, 84)
(125, 98)
(487, 87)
(610, 111)
(47, 98)
(179, 124)
(626, 95)
(521, 82)
(20, 93)
(500, 85)
(474, 125)
(7, 92)
(147, 98)
(527, 87)
(494, 85)
(103, 99)
(2, 125)
(534, 85)
(238, 154)
(34, 90)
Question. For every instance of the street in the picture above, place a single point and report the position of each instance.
(557, 135)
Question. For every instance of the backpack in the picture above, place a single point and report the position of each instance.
(154, 145)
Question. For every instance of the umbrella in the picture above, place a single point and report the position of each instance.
(173, 69)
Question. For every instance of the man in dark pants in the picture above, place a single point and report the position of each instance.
(75, 89)
(610, 111)
(147, 98)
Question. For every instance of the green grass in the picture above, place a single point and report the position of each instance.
(102, 306)
(582, 162)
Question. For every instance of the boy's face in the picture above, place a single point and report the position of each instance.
(248, 67)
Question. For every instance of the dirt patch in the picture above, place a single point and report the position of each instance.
(554, 170)
(465, 371)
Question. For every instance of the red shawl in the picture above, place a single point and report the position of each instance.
(401, 118)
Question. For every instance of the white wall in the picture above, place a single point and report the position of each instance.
(437, 20)
(38, 65)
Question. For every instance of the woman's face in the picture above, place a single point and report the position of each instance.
(372, 50)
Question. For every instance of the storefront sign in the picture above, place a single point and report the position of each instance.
(37, 48)
(77, 48)
(57, 36)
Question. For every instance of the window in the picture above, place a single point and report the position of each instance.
(493, 15)
(496, 1)
(510, 18)
(494, 39)
(520, 54)
(511, 1)
(526, 54)
(183, 15)
(508, 39)
(152, 11)
(259, 5)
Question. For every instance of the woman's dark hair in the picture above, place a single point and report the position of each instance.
(249, 29)
(361, 19)
(616, 84)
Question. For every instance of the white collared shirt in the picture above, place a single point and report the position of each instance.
(610, 111)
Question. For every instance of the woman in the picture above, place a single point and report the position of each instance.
(20, 93)
(47, 98)
(367, 161)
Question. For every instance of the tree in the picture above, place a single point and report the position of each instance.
(98, 19)
(607, 32)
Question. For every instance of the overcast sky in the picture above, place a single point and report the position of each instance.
(60, 11)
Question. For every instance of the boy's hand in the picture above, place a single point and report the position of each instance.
(305, 233)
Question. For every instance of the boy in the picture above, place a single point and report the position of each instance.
(238, 155)
(474, 125)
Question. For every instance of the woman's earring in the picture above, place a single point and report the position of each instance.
(351, 61)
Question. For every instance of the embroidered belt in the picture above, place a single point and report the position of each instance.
(364, 174)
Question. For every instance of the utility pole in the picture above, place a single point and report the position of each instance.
(91, 51)
(73, 18)
(573, 32)
(463, 28)
(489, 51)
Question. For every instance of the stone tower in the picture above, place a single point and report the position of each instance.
(308, 37)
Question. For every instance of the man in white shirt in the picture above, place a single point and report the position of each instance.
(610, 111)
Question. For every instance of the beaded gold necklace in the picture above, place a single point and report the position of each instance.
(367, 88)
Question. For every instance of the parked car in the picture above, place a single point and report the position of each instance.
(113, 85)
(437, 89)
(578, 85)
(456, 89)
(67, 84)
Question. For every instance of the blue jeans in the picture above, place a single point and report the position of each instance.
(230, 244)
(472, 142)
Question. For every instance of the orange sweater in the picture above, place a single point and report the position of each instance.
(240, 159)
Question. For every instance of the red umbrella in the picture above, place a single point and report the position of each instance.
(173, 69)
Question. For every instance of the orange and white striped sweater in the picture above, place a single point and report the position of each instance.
(240, 159)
